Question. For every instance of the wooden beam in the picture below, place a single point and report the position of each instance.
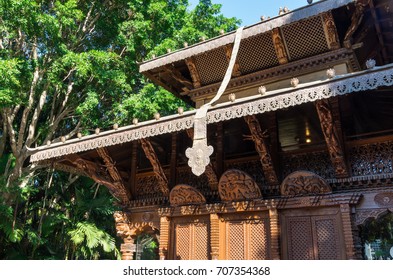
(157, 168)
(379, 32)
(279, 46)
(173, 164)
(330, 30)
(209, 171)
(331, 130)
(196, 79)
(260, 145)
(236, 68)
(102, 175)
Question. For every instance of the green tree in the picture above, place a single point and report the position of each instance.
(68, 66)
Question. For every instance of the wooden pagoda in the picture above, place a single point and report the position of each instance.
(302, 138)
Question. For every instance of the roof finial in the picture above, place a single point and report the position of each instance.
(280, 11)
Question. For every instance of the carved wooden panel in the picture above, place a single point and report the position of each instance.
(237, 185)
(300, 244)
(303, 183)
(247, 237)
(313, 235)
(185, 195)
(235, 241)
(372, 159)
(325, 235)
(191, 238)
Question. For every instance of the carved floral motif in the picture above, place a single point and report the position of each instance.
(237, 185)
(185, 195)
(304, 183)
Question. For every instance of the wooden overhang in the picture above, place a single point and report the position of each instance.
(349, 31)
(146, 160)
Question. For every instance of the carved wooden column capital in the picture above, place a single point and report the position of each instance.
(260, 145)
(125, 231)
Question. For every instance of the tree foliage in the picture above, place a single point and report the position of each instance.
(68, 66)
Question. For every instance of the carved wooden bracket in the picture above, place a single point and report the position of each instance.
(111, 168)
(157, 169)
(196, 79)
(236, 68)
(101, 175)
(304, 183)
(332, 137)
(185, 195)
(209, 170)
(279, 46)
(266, 160)
(237, 185)
(175, 74)
(356, 19)
(330, 31)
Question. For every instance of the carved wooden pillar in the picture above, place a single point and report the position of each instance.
(124, 230)
(214, 236)
(165, 227)
(348, 233)
(274, 230)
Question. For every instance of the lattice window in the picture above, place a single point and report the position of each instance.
(317, 162)
(147, 187)
(259, 245)
(235, 242)
(253, 168)
(326, 239)
(202, 243)
(183, 239)
(212, 66)
(305, 38)
(257, 53)
(300, 244)
(201, 183)
(372, 159)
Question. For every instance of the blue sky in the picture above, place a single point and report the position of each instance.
(250, 11)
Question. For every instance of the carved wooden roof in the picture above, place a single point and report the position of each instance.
(279, 42)
(271, 101)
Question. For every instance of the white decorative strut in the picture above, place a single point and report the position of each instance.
(199, 154)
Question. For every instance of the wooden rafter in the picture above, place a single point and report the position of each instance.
(175, 74)
(196, 79)
(260, 145)
(157, 168)
(209, 171)
(236, 68)
(332, 132)
(101, 175)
